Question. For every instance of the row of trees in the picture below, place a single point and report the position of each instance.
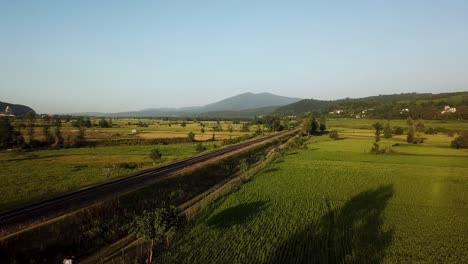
(11, 137)
(311, 126)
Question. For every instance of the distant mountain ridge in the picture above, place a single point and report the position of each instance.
(17, 109)
(242, 105)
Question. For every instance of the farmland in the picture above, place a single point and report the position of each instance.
(39, 174)
(334, 202)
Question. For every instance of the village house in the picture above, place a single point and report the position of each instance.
(336, 112)
(404, 110)
(448, 109)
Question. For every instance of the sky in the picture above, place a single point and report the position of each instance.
(111, 56)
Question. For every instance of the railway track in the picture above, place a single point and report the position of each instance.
(84, 197)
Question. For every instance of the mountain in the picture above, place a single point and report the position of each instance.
(242, 105)
(249, 101)
(419, 105)
(16, 108)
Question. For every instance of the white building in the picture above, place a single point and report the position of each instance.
(404, 110)
(448, 109)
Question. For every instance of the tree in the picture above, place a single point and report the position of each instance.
(103, 123)
(410, 136)
(80, 139)
(202, 131)
(398, 130)
(191, 136)
(183, 124)
(419, 126)
(9, 137)
(245, 127)
(31, 123)
(378, 130)
(230, 129)
(306, 124)
(157, 226)
(87, 122)
(461, 141)
(213, 137)
(155, 154)
(387, 131)
(58, 133)
(310, 125)
(322, 125)
(49, 138)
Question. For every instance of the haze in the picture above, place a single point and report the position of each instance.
(63, 56)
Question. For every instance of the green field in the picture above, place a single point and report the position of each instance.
(30, 176)
(336, 203)
(40, 174)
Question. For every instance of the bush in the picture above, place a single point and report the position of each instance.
(191, 136)
(430, 131)
(398, 130)
(461, 141)
(126, 165)
(155, 154)
(200, 147)
(334, 135)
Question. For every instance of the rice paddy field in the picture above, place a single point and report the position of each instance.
(334, 202)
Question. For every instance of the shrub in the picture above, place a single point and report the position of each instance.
(430, 131)
(155, 154)
(191, 136)
(398, 130)
(126, 165)
(200, 147)
(387, 131)
(461, 141)
(334, 135)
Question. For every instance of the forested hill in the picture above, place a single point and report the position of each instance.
(17, 108)
(426, 106)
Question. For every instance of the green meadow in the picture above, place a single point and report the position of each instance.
(31, 176)
(334, 202)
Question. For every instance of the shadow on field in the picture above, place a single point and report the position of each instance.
(237, 215)
(350, 234)
(270, 170)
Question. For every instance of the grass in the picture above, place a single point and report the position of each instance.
(353, 123)
(336, 203)
(31, 176)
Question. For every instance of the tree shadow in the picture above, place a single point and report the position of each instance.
(350, 234)
(237, 215)
(270, 170)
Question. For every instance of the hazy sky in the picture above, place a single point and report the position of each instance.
(70, 56)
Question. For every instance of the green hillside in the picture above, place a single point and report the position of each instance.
(426, 106)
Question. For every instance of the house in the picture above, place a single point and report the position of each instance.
(336, 112)
(404, 110)
(448, 109)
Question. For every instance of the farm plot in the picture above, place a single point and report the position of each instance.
(336, 203)
(30, 176)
